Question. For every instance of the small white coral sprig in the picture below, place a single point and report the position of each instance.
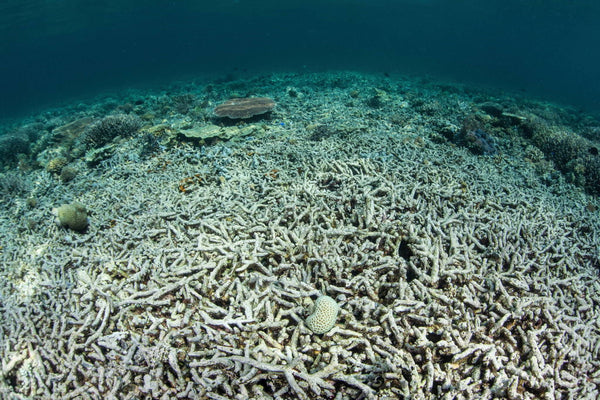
(324, 315)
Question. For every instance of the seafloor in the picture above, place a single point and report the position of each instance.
(466, 267)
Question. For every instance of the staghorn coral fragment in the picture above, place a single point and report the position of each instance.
(244, 108)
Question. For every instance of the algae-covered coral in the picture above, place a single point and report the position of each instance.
(72, 216)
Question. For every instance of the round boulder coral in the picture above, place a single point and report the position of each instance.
(72, 216)
(324, 315)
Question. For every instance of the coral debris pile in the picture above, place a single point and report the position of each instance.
(457, 276)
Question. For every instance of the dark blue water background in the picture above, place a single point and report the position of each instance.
(58, 51)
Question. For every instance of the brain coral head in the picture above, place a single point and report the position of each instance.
(324, 315)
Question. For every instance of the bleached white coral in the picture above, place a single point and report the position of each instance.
(324, 315)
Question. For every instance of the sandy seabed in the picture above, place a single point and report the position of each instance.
(458, 276)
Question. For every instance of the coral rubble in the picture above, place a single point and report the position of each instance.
(457, 276)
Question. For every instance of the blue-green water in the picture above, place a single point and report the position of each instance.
(55, 51)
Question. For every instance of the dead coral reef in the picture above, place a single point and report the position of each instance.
(444, 291)
(457, 276)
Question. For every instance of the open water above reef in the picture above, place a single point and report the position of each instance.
(53, 51)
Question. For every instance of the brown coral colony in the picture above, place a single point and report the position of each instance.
(239, 108)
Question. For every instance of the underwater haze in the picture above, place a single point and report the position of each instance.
(54, 51)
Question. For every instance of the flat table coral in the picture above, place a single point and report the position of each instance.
(244, 108)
